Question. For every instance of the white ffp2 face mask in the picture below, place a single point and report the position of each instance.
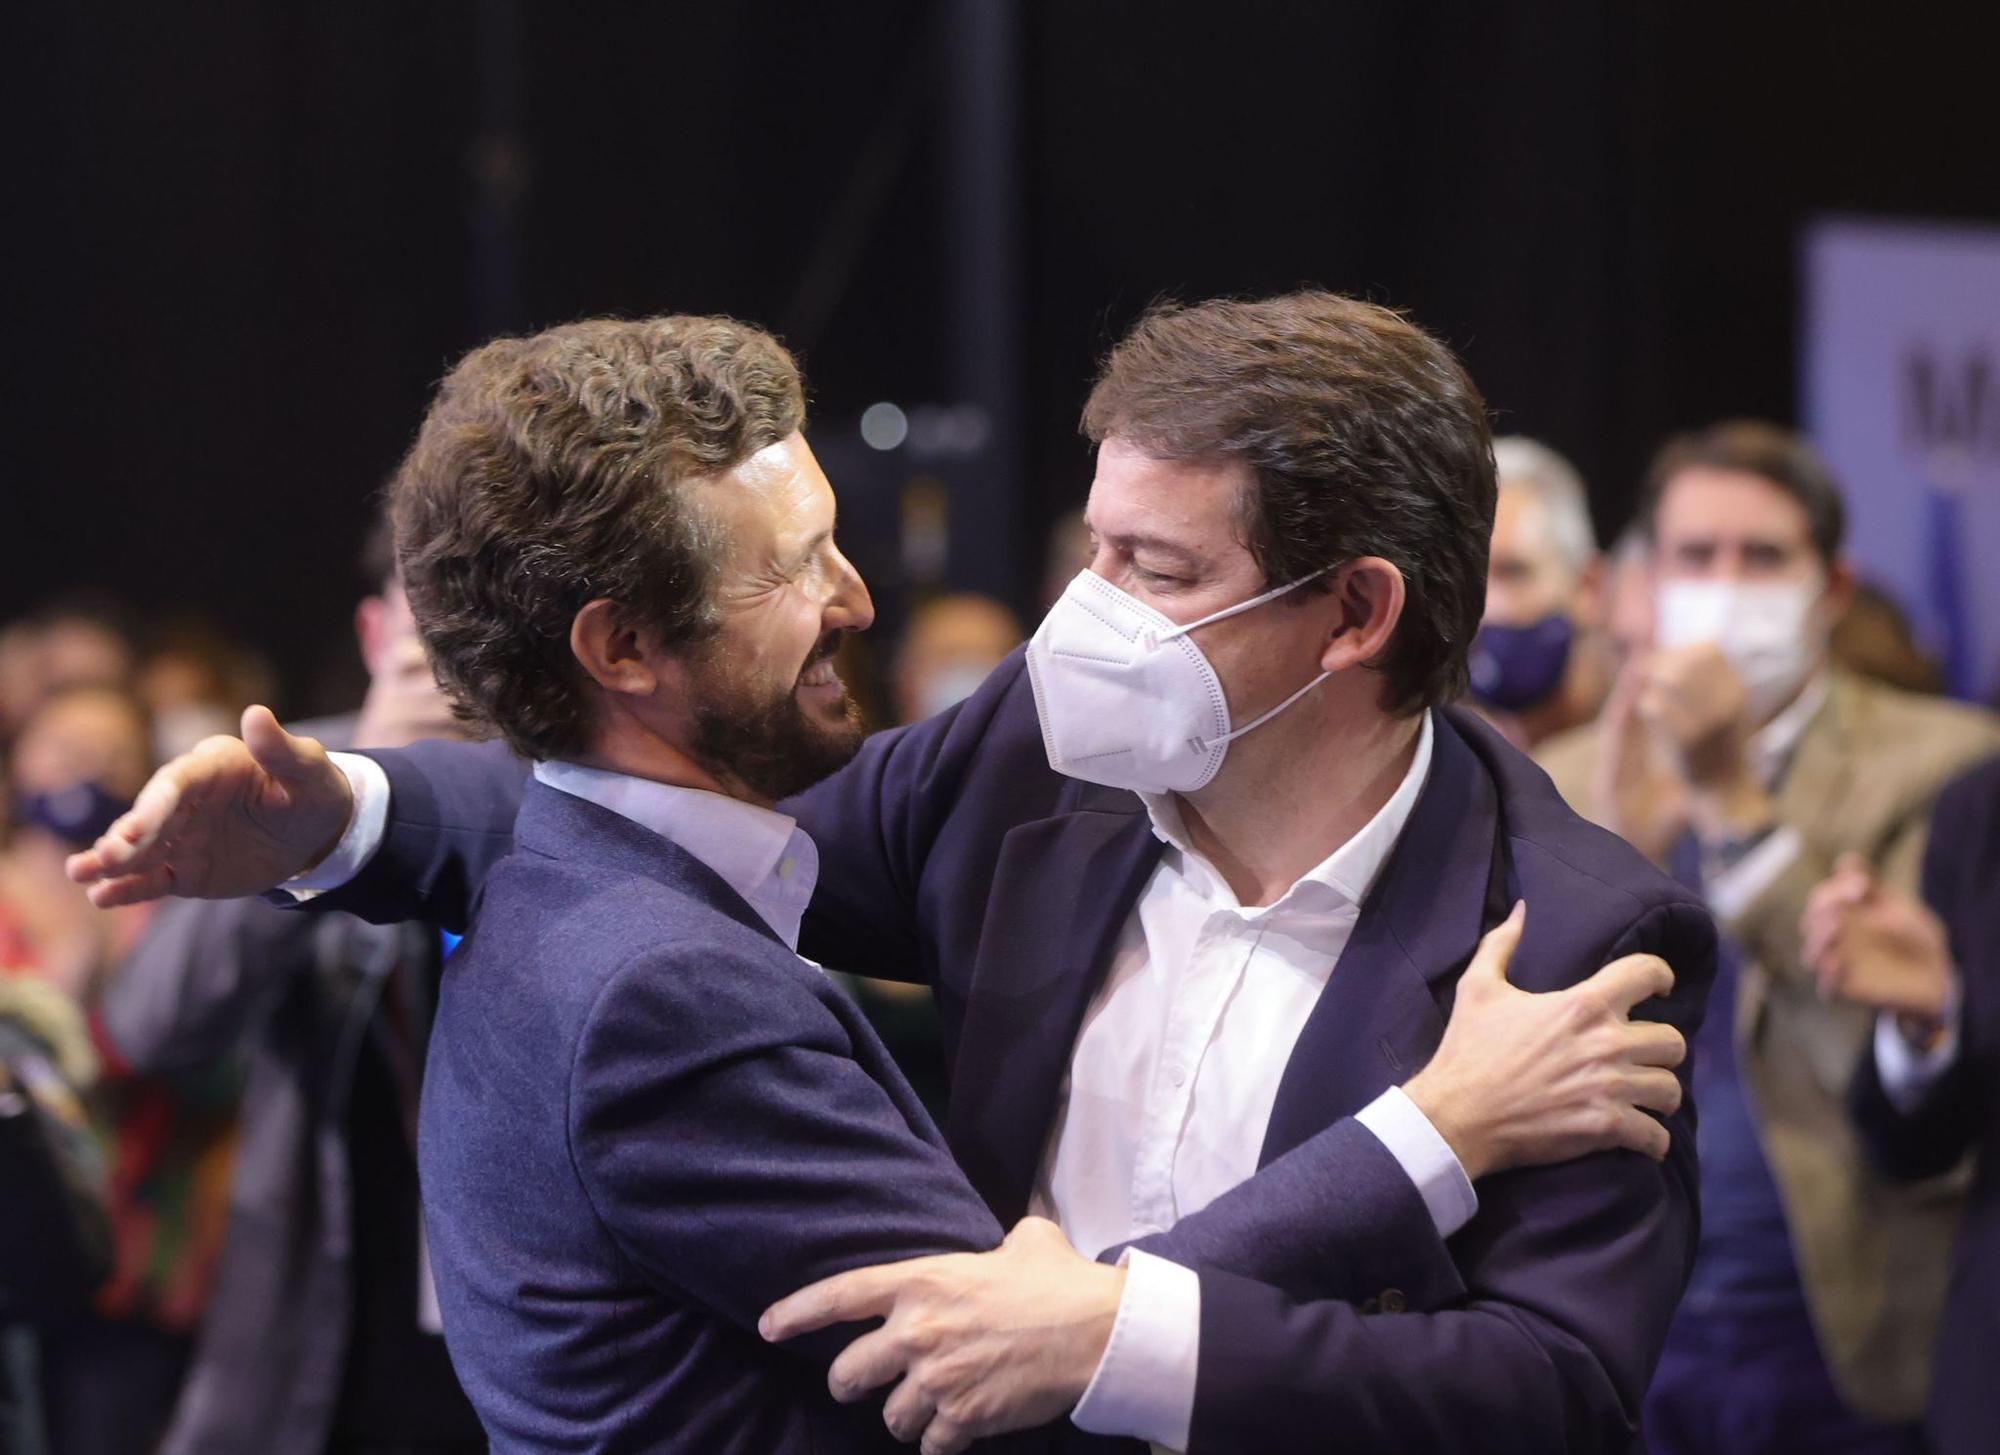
(1764, 628)
(1126, 699)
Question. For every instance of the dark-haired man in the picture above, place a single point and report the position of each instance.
(1130, 864)
(1812, 1312)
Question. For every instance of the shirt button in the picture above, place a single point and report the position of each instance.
(1177, 1075)
(785, 868)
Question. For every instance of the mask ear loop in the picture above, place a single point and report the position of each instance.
(1235, 733)
(1203, 746)
(1240, 607)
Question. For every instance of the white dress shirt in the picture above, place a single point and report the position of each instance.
(760, 853)
(1172, 1081)
(1733, 890)
(1174, 1072)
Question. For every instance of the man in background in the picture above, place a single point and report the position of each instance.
(1927, 1091)
(321, 1334)
(1540, 663)
(1736, 751)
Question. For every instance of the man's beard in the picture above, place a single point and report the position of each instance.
(763, 739)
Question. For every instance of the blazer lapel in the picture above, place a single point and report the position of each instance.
(1062, 889)
(1378, 1020)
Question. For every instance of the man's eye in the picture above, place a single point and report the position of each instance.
(1156, 578)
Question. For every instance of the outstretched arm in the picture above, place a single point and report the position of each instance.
(234, 817)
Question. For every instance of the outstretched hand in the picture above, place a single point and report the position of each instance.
(1523, 1079)
(231, 816)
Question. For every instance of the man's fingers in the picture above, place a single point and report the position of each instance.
(870, 1362)
(136, 839)
(1640, 1133)
(1624, 983)
(1655, 1090)
(910, 1409)
(155, 883)
(942, 1437)
(865, 1293)
(278, 752)
(1496, 949)
(1654, 1044)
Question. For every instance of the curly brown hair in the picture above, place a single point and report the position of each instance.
(547, 474)
(1364, 436)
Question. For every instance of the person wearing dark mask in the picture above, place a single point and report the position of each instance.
(321, 1336)
(1539, 664)
(1740, 752)
(112, 1369)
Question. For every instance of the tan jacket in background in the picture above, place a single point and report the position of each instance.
(1873, 1254)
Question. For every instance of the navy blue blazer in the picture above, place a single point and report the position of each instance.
(1960, 1114)
(644, 1119)
(950, 853)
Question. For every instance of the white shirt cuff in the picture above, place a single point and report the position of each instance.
(367, 826)
(1144, 1384)
(1736, 888)
(1425, 1157)
(1907, 1073)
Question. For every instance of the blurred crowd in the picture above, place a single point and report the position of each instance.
(209, 1229)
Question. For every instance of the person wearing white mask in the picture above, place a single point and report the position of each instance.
(1738, 753)
(1201, 880)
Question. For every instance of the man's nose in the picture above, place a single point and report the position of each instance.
(850, 608)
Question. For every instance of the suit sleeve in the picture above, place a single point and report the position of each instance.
(786, 1161)
(1961, 876)
(1571, 1276)
(451, 819)
(1370, 1230)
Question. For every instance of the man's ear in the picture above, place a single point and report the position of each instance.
(1370, 593)
(612, 652)
(1840, 580)
(370, 629)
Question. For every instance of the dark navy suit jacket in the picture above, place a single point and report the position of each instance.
(644, 1119)
(1331, 1312)
(1960, 1113)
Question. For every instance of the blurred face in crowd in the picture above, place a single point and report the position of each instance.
(79, 761)
(769, 710)
(404, 702)
(1529, 578)
(951, 646)
(42, 657)
(83, 652)
(1733, 526)
(1168, 532)
(1735, 566)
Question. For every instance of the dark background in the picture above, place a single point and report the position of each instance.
(244, 241)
